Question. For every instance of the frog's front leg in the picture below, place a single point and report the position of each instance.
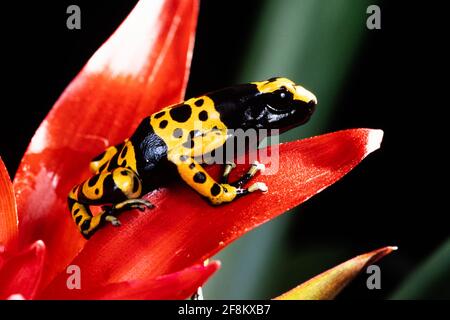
(117, 191)
(196, 177)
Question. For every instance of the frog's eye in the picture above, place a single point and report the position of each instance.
(282, 92)
(280, 100)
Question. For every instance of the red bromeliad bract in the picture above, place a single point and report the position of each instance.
(160, 253)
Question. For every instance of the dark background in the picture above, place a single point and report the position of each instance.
(393, 84)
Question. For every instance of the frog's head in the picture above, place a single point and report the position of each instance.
(277, 103)
(281, 104)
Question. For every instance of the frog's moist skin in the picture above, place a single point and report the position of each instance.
(176, 135)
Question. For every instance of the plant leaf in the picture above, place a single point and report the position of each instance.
(143, 66)
(178, 285)
(328, 284)
(21, 273)
(8, 210)
(183, 229)
(430, 280)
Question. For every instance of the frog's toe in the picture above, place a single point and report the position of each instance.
(139, 204)
(113, 220)
(142, 205)
(258, 186)
(254, 169)
(229, 166)
(258, 166)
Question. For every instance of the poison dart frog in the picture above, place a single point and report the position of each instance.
(172, 136)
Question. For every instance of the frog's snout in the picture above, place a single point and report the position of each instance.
(306, 96)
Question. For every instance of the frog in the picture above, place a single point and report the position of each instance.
(171, 138)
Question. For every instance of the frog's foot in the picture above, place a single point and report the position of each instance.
(110, 212)
(254, 169)
(258, 186)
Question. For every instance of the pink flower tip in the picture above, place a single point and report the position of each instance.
(16, 296)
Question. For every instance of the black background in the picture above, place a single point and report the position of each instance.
(397, 77)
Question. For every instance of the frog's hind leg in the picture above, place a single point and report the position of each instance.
(118, 190)
(82, 215)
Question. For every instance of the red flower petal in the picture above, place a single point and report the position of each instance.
(20, 274)
(8, 210)
(178, 285)
(2, 256)
(141, 68)
(327, 285)
(184, 229)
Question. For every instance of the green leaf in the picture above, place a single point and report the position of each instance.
(431, 280)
